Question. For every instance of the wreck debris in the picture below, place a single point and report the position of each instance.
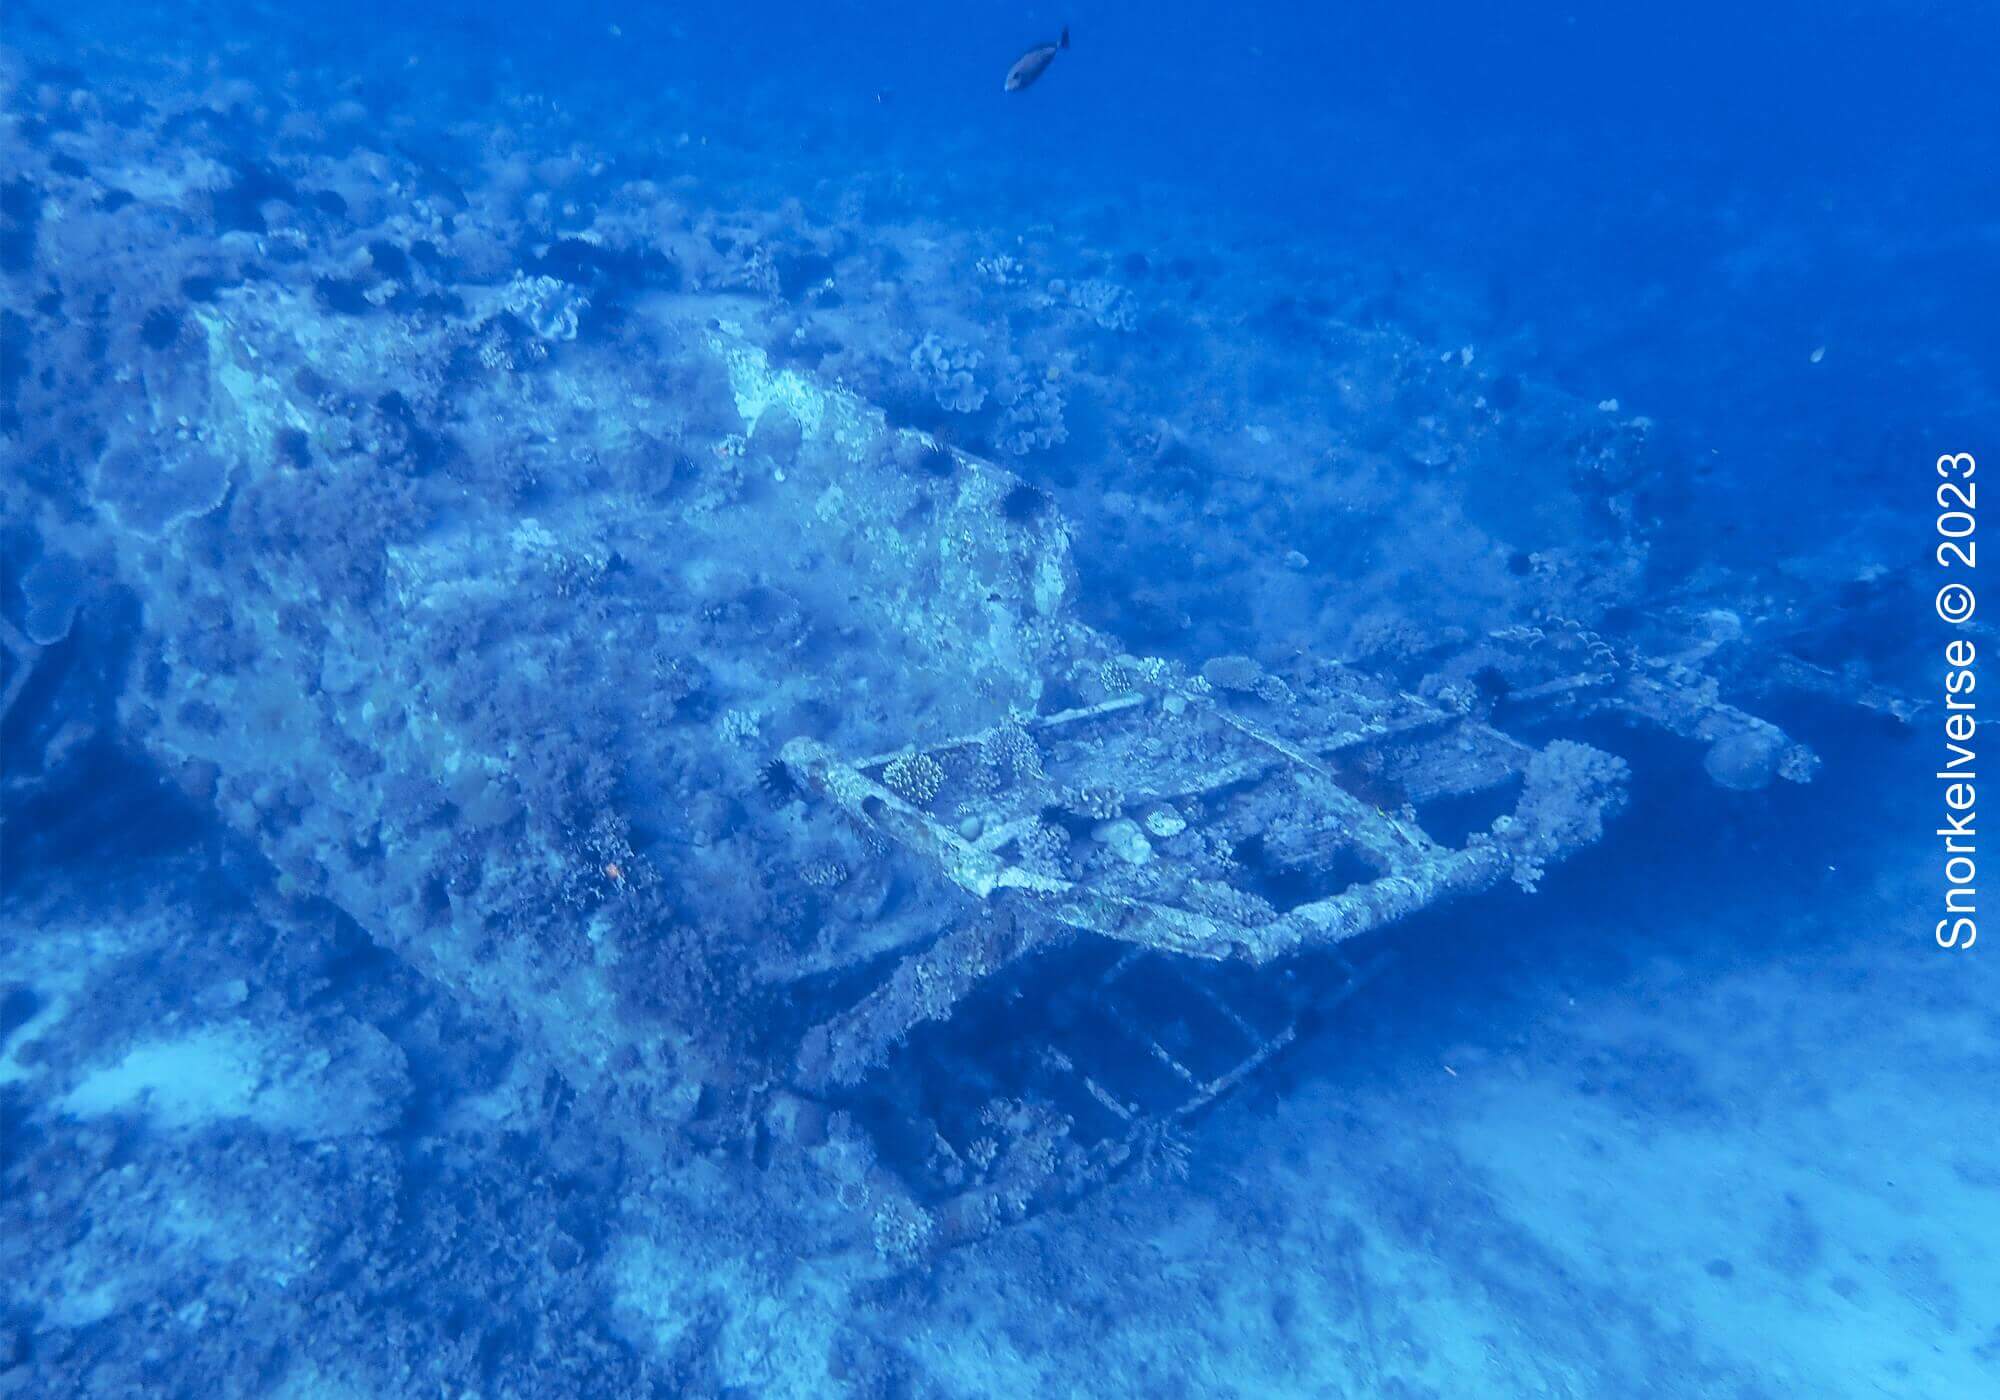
(18, 655)
(1243, 806)
(469, 693)
(1567, 670)
(1201, 771)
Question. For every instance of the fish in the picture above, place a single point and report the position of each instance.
(1032, 64)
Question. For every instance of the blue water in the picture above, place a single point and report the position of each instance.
(507, 515)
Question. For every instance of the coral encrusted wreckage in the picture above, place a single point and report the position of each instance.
(580, 601)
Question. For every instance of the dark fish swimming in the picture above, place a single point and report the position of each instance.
(1031, 65)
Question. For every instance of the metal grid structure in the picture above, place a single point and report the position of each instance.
(1166, 877)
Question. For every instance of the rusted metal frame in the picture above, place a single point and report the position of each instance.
(25, 654)
(1271, 1046)
(884, 1018)
(1105, 1097)
(1677, 709)
(1570, 689)
(1809, 678)
(1123, 965)
(1678, 712)
(1391, 843)
(1250, 1033)
(1061, 718)
(1364, 908)
(1420, 874)
(978, 871)
(1194, 986)
(1123, 1020)
(1223, 1083)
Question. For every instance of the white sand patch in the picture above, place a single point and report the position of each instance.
(233, 1072)
(211, 1074)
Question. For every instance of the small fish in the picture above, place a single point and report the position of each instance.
(1032, 64)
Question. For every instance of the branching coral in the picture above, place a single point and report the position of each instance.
(553, 309)
(1033, 422)
(946, 370)
(1012, 755)
(1108, 305)
(1569, 791)
(914, 777)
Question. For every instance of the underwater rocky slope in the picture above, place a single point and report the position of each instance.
(552, 590)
